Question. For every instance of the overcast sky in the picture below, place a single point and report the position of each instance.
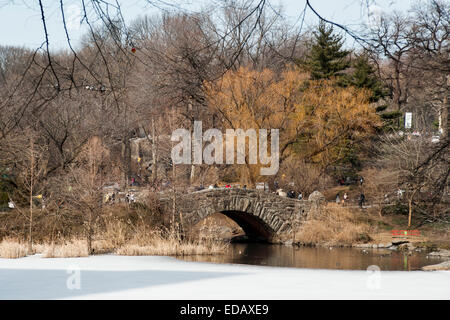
(21, 24)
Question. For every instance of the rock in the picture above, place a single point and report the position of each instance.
(399, 242)
(362, 245)
(288, 243)
(381, 245)
(387, 245)
(440, 266)
(375, 246)
(393, 247)
(440, 253)
(316, 196)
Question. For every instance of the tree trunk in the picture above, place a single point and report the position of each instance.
(30, 239)
(126, 156)
(89, 234)
(192, 177)
(410, 204)
(380, 209)
(444, 118)
(410, 213)
(154, 171)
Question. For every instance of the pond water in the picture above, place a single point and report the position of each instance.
(318, 257)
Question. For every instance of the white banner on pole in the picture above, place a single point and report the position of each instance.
(408, 120)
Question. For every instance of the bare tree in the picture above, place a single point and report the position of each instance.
(27, 161)
(380, 185)
(83, 185)
(423, 184)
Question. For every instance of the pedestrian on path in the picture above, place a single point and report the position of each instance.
(362, 198)
(344, 199)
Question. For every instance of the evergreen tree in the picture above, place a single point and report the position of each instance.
(364, 77)
(326, 58)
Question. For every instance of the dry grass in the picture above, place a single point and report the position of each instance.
(12, 249)
(171, 247)
(116, 232)
(168, 243)
(71, 249)
(332, 225)
(124, 238)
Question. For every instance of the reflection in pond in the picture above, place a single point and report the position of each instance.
(319, 257)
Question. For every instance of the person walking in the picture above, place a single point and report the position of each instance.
(276, 185)
(344, 199)
(362, 198)
(337, 199)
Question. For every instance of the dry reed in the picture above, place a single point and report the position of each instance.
(70, 249)
(332, 225)
(12, 249)
(123, 238)
(169, 243)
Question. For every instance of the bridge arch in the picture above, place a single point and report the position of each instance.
(260, 214)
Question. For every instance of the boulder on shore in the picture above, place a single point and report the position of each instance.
(440, 266)
(440, 253)
(316, 196)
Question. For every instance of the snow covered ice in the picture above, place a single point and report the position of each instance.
(153, 277)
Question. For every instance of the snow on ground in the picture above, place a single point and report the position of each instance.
(166, 278)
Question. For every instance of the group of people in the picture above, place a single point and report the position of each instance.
(111, 198)
(290, 194)
(349, 181)
(129, 198)
(361, 199)
(344, 198)
(215, 186)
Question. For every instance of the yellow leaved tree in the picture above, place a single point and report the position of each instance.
(317, 120)
(332, 121)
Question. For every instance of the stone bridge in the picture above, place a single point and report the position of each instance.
(260, 214)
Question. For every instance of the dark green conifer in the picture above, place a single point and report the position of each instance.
(326, 58)
(364, 76)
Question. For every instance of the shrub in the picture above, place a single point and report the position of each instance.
(332, 225)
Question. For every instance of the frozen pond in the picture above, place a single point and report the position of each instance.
(152, 277)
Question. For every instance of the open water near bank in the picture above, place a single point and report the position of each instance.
(319, 257)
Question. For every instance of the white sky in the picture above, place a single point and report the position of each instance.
(21, 24)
